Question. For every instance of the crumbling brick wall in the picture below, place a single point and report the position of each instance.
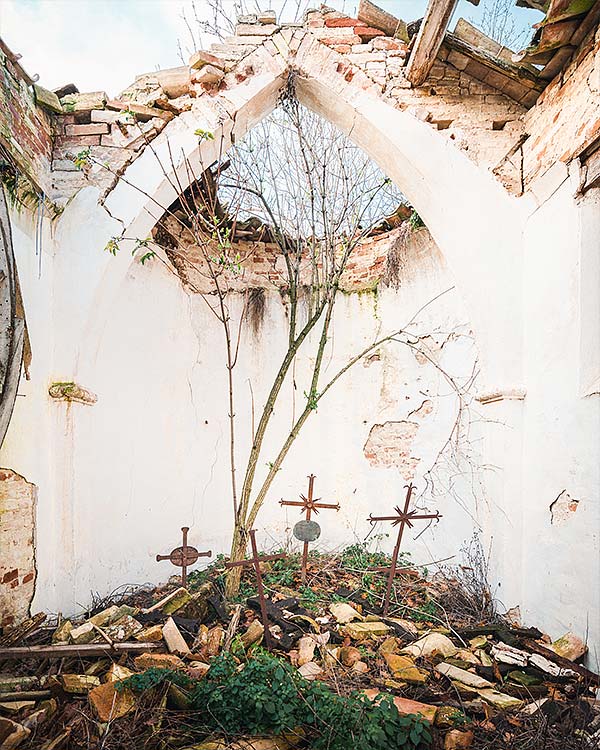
(17, 561)
(566, 119)
(25, 128)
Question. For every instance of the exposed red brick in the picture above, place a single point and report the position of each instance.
(367, 33)
(336, 23)
(28, 577)
(96, 128)
(10, 576)
(343, 49)
(80, 140)
(332, 41)
(385, 42)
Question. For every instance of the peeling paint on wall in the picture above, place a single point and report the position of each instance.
(562, 509)
(390, 445)
(17, 563)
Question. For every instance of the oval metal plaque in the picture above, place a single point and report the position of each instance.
(307, 531)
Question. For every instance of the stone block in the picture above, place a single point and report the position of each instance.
(83, 633)
(94, 128)
(335, 23)
(173, 638)
(363, 630)
(457, 674)
(406, 706)
(257, 29)
(207, 74)
(430, 644)
(47, 99)
(109, 703)
(367, 33)
(403, 668)
(570, 646)
(160, 661)
(142, 112)
(267, 17)
(201, 58)
(84, 102)
(78, 683)
(12, 734)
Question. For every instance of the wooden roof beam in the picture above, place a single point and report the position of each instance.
(429, 40)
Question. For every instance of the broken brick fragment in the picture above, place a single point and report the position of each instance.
(338, 23)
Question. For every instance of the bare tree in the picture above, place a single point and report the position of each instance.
(499, 23)
(299, 185)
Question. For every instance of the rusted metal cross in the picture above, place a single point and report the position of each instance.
(308, 505)
(401, 519)
(255, 561)
(183, 556)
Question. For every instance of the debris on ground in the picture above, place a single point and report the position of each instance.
(174, 667)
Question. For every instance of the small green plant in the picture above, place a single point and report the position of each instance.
(425, 611)
(204, 135)
(82, 159)
(267, 696)
(152, 678)
(312, 398)
(415, 221)
(113, 246)
(309, 598)
(359, 557)
(234, 265)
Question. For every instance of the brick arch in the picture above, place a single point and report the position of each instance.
(476, 224)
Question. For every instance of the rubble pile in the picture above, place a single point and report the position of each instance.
(176, 667)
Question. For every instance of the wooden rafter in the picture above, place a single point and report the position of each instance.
(429, 39)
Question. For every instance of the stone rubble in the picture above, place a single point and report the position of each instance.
(454, 678)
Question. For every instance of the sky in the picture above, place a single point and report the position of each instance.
(101, 45)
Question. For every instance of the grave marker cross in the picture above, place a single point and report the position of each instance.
(255, 561)
(401, 519)
(183, 556)
(308, 505)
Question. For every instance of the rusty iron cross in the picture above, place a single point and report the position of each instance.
(308, 505)
(183, 556)
(255, 561)
(401, 519)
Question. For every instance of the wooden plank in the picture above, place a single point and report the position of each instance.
(527, 75)
(563, 56)
(476, 38)
(61, 651)
(592, 167)
(378, 18)
(537, 648)
(429, 40)
(25, 695)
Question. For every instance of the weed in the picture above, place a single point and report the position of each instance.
(268, 696)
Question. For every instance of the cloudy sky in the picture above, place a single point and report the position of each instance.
(104, 44)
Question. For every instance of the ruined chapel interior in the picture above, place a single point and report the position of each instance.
(350, 254)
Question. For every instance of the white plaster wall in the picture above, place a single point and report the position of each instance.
(28, 448)
(152, 454)
(561, 422)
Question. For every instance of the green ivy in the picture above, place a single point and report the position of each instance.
(267, 696)
(152, 678)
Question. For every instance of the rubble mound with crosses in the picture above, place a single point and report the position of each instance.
(180, 667)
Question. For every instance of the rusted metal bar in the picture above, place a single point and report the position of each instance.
(309, 505)
(402, 518)
(255, 561)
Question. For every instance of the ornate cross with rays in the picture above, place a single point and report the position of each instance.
(401, 519)
(306, 530)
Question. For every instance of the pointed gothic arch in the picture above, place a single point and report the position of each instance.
(474, 221)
